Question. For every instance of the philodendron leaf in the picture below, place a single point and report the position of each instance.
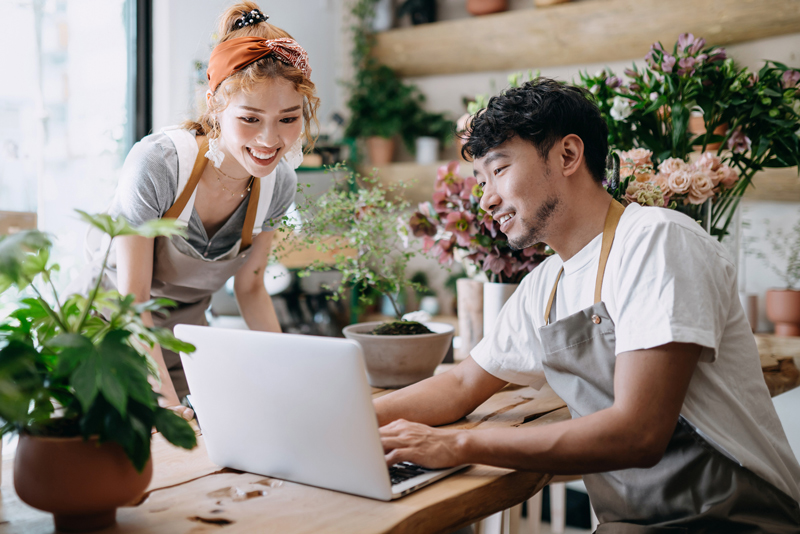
(166, 339)
(175, 429)
(72, 350)
(114, 351)
(86, 382)
(115, 227)
(16, 266)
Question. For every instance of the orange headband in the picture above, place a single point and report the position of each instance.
(235, 54)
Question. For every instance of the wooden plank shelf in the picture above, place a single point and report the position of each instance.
(588, 31)
(771, 184)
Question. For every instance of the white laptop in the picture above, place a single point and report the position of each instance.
(292, 407)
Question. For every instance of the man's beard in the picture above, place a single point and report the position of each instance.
(536, 228)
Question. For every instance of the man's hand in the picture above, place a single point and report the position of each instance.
(404, 441)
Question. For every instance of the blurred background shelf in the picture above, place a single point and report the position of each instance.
(577, 33)
(770, 184)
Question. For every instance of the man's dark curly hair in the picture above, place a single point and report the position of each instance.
(542, 111)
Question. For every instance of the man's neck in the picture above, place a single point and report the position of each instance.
(581, 221)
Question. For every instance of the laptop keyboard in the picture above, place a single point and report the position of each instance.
(404, 470)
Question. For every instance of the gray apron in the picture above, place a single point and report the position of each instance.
(695, 487)
(182, 274)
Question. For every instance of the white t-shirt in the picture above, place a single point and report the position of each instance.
(666, 280)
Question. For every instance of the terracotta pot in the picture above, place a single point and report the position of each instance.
(398, 361)
(698, 127)
(380, 149)
(80, 482)
(783, 309)
(485, 7)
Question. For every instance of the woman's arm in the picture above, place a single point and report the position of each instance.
(254, 301)
(135, 276)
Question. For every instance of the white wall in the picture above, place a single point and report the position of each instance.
(182, 32)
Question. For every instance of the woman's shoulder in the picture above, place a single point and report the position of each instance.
(154, 152)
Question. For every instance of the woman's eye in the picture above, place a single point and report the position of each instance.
(249, 120)
(289, 120)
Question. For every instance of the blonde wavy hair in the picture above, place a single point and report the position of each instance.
(245, 80)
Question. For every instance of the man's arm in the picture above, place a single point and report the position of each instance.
(251, 294)
(442, 398)
(649, 388)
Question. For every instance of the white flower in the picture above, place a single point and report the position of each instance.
(620, 109)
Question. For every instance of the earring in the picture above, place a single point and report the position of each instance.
(215, 153)
(294, 156)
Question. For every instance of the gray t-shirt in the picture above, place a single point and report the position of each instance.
(148, 187)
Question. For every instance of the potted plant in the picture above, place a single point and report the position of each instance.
(364, 221)
(420, 11)
(425, 133)
(783, 305)
(75, 384)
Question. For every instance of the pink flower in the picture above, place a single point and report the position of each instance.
(613, 82)
(645, 193)
(637, 156)
(670, 165)
(709, 161)
(701, 188)
(462, 225)
(668, 64)
(441, 202)
(679, 182)
(739, 143)
(718, 54)
(448, 180)
(662, 181)
(726, 176)
(790, 79)
(498, 263)
(444, 249)
(651, 55)
(470, 183)
(687, 66)
(490, 225)
(688, 44)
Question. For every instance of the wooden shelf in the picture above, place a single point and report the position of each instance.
(588, 31)
(770, 184)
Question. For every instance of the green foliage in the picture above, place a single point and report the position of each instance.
(363, 223)
(380, 103)
(80, 365)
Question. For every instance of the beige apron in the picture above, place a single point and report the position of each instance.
(695, 487)
(182, 274)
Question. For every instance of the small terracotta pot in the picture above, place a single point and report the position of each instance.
(485, 7)
(398, 361)
(698, 127)
(380, 149)
(80, 482)
(783, 309)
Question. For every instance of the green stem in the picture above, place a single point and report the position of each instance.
(96, 288)
(397, 313)
(53, 315)
(55, 296)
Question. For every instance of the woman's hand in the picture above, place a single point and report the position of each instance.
(170, 401)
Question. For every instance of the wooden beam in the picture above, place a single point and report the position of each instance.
(12, 222)
(775, 184)
(582, 32)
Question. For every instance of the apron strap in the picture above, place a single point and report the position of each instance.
(615, 211)
(613, 216)
(199, 166)
(250, 216)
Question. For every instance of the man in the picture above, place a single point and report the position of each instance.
(636, 324)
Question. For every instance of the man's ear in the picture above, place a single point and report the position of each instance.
(571, 156)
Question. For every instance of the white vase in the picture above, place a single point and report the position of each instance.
(495, 296)
(384, 16)
(427, 150)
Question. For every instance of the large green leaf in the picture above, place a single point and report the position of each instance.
(175, 429)
(86, 381)
(19, 258)
(119, 226)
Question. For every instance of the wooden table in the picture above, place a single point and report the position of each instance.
(189, 494)
(779, 358)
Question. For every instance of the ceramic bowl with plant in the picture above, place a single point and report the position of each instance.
(363, 222)
(76, 384)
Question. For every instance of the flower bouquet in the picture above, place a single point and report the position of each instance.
(752, 116)
(454, 226)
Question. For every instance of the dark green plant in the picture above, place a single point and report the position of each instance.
(422, 123)
(420, 11)
(79, 366)
(361, 220)
(421, 279)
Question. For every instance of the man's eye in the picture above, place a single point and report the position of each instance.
(497, 170)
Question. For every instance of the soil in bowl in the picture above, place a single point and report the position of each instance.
(401, 328)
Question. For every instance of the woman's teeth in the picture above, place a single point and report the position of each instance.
(262, 155)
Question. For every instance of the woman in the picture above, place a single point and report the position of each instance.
(260, 98)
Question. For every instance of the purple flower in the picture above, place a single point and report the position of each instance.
(668, 63)
(651, 55)
(688, 44)
(718, 54)
(470, 183)
(613, 82)
(738, 142)
(790, 79)
(448, 180)
(444, 249)
(630, 73)
(498, 263)
(421, 225)
(686, 65)
(462, 225)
